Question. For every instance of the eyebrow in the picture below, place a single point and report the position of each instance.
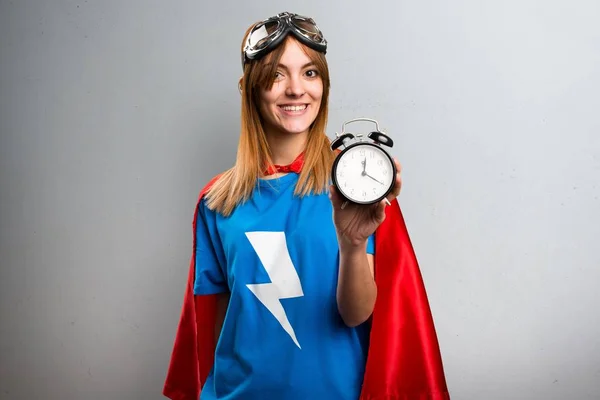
(309, 64)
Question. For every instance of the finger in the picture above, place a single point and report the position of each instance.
(335, 197)
(398, 183)
(397, 187)
(398, 165)
(380, 211)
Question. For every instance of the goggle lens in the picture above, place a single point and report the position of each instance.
(308, 28)
(262, 33)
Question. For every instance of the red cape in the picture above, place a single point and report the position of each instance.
(404, 361)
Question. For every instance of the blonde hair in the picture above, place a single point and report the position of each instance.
(236, 185)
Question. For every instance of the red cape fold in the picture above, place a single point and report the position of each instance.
(404, 360)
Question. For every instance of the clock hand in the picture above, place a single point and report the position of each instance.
(373, 178)
(364, 164)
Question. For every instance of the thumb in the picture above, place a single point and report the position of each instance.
(380, 211)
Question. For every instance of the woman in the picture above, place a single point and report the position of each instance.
(290, 270)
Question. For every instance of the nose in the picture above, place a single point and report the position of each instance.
(295, 87)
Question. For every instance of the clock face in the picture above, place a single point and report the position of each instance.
(364, 173)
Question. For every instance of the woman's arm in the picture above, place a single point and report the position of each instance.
(356, 290)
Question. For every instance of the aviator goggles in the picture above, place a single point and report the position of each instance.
(268, 34)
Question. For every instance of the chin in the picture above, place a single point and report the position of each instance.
(296, 130)
(297, 127)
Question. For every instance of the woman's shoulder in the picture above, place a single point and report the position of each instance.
(215, 193)
(210, 184)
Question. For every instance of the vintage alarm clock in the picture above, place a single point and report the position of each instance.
(363, 172)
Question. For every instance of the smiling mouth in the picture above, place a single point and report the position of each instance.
(295, 108)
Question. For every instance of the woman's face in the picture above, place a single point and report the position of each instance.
(292, 104)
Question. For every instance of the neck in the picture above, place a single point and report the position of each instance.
(286, 147)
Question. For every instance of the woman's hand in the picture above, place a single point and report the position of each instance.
(354, 223)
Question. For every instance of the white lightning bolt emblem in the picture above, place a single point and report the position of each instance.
(271, 248)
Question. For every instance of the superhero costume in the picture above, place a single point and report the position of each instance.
(403, 359)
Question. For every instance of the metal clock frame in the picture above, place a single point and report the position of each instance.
(342, 137)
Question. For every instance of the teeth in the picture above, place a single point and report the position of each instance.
(294, 108)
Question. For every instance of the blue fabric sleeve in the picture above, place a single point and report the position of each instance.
(210, 278)
(371, 244)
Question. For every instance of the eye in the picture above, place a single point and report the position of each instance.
(312, 73)
(278, 76)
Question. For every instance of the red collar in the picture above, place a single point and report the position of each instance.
(295, 166)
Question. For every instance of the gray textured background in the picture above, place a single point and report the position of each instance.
(113, 114)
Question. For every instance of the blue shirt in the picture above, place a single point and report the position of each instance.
(282, 337)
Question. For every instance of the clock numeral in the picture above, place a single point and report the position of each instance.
(379, 162)
(374, 191)
(372, 154)
(364, 193)
(351, 191)
(385, 172)
(362, 152)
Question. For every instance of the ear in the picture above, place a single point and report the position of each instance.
(240, 84)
